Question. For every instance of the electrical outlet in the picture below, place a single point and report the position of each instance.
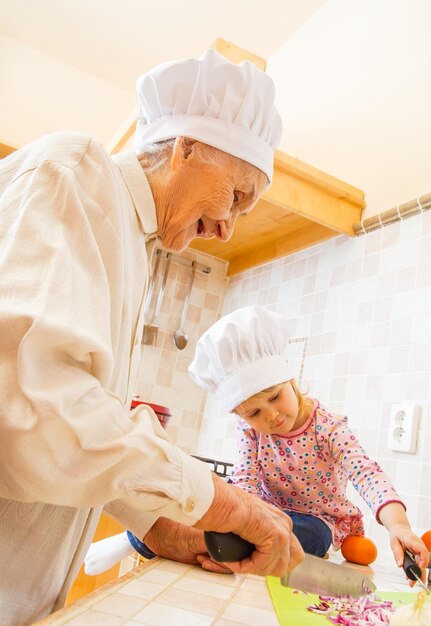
(403, 427)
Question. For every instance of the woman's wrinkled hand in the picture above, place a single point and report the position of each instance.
(178, 542)
(269, 529)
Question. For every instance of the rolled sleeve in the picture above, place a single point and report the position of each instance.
(190, 486)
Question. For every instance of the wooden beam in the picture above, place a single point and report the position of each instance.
(236, 54)
(336, 187)
(261, 225)
(281, 246)
(317, 197)
(124, 133)
(5, 149)
(301, 197)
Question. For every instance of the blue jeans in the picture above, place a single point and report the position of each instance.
(139, 546)
(314, 535)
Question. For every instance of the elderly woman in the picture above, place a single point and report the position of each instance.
(76, 230)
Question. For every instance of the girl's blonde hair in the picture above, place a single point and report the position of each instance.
(304, 403)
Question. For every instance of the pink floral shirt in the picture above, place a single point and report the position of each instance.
(307, 471)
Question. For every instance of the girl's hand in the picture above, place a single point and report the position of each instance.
(402, 538)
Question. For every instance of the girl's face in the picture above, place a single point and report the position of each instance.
(275, 414)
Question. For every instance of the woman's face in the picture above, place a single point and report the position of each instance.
(204, 198)
(274, 414)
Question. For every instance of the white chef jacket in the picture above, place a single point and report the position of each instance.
(75, 229)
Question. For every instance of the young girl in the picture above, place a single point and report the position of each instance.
(292, 451)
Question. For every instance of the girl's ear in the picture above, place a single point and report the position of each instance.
(183, 149)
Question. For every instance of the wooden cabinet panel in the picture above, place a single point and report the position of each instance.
(84, 584)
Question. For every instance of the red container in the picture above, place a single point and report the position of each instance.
(162, 412)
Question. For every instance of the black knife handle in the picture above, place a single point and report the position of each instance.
(227, 547)
(410, 567)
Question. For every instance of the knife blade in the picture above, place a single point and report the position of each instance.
(313, 574)
(316, 575)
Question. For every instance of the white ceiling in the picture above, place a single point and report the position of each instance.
(116, 40)
(353, 79)
(354, 88)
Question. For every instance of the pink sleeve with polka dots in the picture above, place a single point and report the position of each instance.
(365, 474)
(246, 470)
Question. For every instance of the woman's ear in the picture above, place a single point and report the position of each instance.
(183, 149)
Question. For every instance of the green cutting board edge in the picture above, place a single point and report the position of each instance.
(291, 608)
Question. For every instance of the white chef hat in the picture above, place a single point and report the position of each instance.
(241, 354)
(227, 106)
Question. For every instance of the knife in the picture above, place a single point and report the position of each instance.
(413, 571)
(313, 574)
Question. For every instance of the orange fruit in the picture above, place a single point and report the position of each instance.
(359, 549)
(426, 538)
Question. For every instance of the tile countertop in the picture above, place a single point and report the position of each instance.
(166, 593)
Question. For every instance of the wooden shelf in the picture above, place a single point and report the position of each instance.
(303, 206)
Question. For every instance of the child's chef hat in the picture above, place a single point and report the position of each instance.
(242, 354)
(227, 106)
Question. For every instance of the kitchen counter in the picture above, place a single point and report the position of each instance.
(166, 593)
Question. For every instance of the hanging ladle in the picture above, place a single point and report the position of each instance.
(180, 336)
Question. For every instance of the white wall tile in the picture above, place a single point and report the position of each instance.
(378, 360)
(411, 229)
(407, 477)
(401, 331)
(425, 249)
(371, 265)
(395, 387)
(418, 386)
(398, 359)
(420, 358)
(362, 338)
(423, 276)
(423, 513)
(369, 440)
(402, 306)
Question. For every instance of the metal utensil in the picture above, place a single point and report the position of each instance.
(153, 281)
(151, 329)
(313, 575)
(413, 571)
(180, 336)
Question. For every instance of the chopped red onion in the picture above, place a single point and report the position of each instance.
(322, 608)
(349, 611)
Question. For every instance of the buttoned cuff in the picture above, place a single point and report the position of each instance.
(196, 493)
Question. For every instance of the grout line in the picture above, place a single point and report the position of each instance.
(229, 599)
(87, 602)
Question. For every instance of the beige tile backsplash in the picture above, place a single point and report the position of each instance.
(362, 309)
(163, 376)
